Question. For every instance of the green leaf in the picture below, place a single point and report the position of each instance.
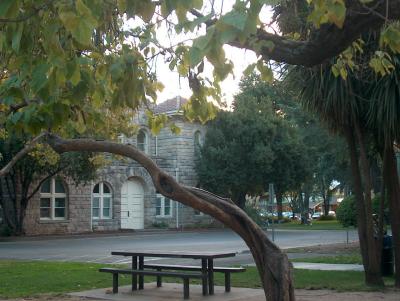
(76, 75)
(195, 56)
(16, 39)
(7, 6)
(236, 19)
(39, 77)
(227, 33)
(266, 72)
(337, 13)
(249, 69)
(81, 24)
(203, 41)
(15, 117)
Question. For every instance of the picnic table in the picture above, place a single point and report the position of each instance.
(205, 271)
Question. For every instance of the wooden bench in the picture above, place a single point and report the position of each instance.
(226, 270)
(185, 277)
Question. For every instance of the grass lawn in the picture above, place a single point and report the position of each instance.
(316, 225)
(354, 258)
(29, 278)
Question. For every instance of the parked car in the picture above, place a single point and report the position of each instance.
(332, 213)
(316, 215)
(287, 214)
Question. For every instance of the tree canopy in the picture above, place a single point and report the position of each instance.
(248, 148)
(70, 62)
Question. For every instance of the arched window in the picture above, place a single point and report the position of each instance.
(142, 141)
(53, 199)
(102, 201)
(198, 141)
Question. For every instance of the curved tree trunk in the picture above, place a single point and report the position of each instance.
(273, 266)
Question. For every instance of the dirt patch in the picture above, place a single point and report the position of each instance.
(340, 248)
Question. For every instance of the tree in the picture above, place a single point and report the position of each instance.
(384, 120)
(314, 160)
(290, 167)
(331, 99)
(236, 154)
(25, 178)
(65, 63)
(250, 147)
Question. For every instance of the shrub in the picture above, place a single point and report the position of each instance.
(346, 213)
(327, 218)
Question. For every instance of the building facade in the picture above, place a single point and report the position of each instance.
(123, 196)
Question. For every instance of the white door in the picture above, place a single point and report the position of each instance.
(132, 205)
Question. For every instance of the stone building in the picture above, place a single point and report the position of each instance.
(123, 196)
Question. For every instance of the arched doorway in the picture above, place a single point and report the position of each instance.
(132, 205)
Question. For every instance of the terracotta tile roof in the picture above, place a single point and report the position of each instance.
(171, 105)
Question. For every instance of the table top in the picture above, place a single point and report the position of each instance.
(176, 254)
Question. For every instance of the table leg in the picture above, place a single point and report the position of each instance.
(134, 277)
(141, 277)
(205, 278)
(211, 276)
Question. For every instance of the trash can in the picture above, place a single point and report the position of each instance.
(387, 256)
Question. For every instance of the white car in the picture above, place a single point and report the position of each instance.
(332, 213)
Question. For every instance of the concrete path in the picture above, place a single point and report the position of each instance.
(328, 266)
(173, 292)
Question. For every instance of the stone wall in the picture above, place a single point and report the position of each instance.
(78, 219)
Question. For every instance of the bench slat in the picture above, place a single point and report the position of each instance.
(151, 273)
(192, 268)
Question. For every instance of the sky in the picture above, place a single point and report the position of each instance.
(174, 85)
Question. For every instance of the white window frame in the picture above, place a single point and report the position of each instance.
(101, 195)
(52, 195)
(162, 206)
(144, 147)
(155, 146)
(198, 140)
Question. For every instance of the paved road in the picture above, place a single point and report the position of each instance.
(97, 248)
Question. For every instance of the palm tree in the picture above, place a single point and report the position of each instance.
(336, 103)
(384, 118)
